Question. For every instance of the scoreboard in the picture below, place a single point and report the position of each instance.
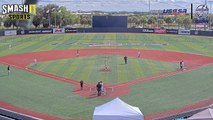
(109, 22)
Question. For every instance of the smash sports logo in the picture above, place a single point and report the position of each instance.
(19, 11)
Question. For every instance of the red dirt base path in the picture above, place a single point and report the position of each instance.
(191, 62)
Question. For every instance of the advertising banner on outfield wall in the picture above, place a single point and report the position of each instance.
(160, 31)
(201, 33)
(70, 30)
(147, 30)
(20, 32)
(171, 31)
(184, 32)
(1, 33)
(58, 30)
(10, 32)
(35, 31)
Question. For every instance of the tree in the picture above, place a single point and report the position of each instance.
(210, 17)
(160, 22)
(45, 23)
(65, 17)
(143, 20)
(85, 20)
(7, 23)
(89, 21)
(187, 22)
(14, 23)
(76, 19)
(168, 20)
(130, 21)
(36, 21)
(179, 21)
(1, 21)
(137, 21)
(211, 24)
(152, 20)
(134, 20)
(48, 12)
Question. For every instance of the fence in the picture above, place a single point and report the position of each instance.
(97, 30)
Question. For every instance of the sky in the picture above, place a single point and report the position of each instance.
(118, 5)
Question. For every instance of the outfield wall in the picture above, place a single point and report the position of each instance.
(2, 33)
(105, 30)
(201, 33)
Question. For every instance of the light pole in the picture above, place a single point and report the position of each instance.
(149, 5)
(55, 20)
(54, 9)
(59, 18)
(48, 12)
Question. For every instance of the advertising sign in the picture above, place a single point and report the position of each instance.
(171, 31)
(37, 31)
(184, 32)
(70, 30)
(201, 21)
(58, 30)
(19, 11)
(160, 31)
(10, 32)
(147, 30)
(201, 12)
(1, 33)
(174, 11)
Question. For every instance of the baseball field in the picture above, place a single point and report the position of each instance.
(49, 88)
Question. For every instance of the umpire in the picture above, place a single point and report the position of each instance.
(99, 88)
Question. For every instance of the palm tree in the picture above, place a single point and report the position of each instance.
(130, 21)
(143, 20)
(7, 23)
(152, 20)
(179, 21)
(160, 22)
(134, 20)
(187, 22)
(169, 20)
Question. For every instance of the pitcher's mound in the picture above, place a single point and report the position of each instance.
(105, 70)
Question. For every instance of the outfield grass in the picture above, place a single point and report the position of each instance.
(32, 43)
(88, 68)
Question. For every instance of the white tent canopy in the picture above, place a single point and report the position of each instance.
(203, 115)
(117, 110)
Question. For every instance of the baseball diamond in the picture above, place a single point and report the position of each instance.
(50, 89)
